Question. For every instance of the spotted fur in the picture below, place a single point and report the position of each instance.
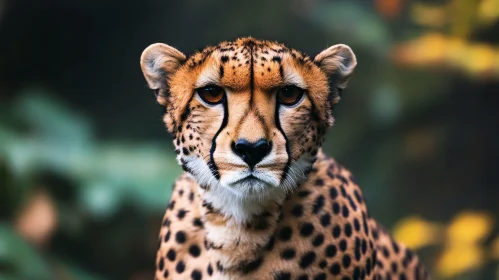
(296, 214)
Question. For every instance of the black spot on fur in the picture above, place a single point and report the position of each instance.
(285, 233)
(297, 211)
(325, 219)
(171, 255)
(303, 193)
(180, 267)
(323, 264)
(307, 259)
(306, 229)
(181, 214)
(356, 225)
(346, 261)
(348, 229)
(194, 250)
(320, 276)
(364, 221)
(343, 245)
(196, 275)
(180, 237)
(270, 244)
(171, 205)
(333, 193)
(288, 254)
(336, 208)
(357, 249)
(364, 246)
(282, 276)
(251, 266)
(219, 266)
(345, 211)
(221, 71)
(331, 251)
(395, 246)
(318, 240)
(336, 231)
(161, 264)
(318, 204)
(335, 269)
(209, 269)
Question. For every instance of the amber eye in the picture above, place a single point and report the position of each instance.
(211, 94)
(290, 95)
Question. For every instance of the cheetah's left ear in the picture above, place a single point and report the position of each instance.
(158, 61)
(338, 62)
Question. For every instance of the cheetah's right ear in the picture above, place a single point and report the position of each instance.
(158, 61)
(338, 62)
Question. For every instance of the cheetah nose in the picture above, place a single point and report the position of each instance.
(251, 153)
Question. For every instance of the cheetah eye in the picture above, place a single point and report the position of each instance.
(211, 94)
(290, 95)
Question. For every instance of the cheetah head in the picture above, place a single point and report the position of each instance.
(249, 116)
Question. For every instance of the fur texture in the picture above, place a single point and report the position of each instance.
(295, 214)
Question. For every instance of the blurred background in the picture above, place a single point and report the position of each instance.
(86, 165)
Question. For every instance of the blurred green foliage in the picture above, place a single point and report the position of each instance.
(45, 146)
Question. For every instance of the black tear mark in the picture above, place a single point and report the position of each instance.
(212, 165)
(185, 114)
(288, 152)
(221, 71)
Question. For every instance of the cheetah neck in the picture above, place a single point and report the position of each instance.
(241, 228)
(236, 229)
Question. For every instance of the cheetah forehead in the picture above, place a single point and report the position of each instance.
(247, 62)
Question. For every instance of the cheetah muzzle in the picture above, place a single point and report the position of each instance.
(258, 198)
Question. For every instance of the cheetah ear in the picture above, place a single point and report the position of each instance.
(158, 61)
(338, 62)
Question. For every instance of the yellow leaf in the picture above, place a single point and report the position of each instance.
(468, 227)
(428, 49)
(488, 11)
(415, 232)
(480, 59)
(457, 259)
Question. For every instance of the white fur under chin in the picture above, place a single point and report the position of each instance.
(241, 202)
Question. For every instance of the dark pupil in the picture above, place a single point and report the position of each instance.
(288, 93)
(212, 91)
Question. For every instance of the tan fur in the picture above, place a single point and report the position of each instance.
(303, 217)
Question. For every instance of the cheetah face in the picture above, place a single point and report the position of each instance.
(247, 116)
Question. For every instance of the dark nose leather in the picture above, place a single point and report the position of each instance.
(251, 153)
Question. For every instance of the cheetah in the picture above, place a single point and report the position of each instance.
(258, 198)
